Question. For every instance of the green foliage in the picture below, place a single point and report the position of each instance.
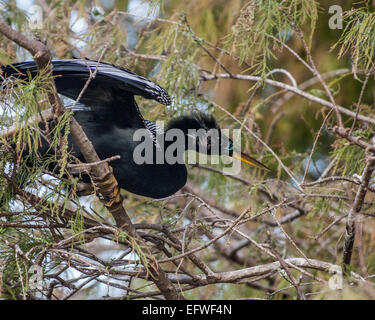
(178, 74)
(262, 22)
(358, 38)
(76, 225)
(188, 41)
(350, 158)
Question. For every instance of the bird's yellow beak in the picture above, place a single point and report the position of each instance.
(250, 160)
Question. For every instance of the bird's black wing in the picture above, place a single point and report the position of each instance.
(110, 93)
(72, 75)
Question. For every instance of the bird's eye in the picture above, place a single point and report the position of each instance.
(230, 146)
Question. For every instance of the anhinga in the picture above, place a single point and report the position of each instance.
(112, 117)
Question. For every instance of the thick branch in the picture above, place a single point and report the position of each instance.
(237, 275)
(353, 213)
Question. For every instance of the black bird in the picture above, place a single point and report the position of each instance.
(111, 117)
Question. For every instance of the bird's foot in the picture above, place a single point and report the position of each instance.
(108, 186)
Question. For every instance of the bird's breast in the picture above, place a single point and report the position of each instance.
(135, 171)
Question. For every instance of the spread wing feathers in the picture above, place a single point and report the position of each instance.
(71, 76)
(154, 130)
(153, 127)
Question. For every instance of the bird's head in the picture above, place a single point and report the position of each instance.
(203, 134)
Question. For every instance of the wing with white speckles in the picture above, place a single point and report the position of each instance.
(72, 75)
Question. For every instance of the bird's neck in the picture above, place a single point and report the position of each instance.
(182, 131)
